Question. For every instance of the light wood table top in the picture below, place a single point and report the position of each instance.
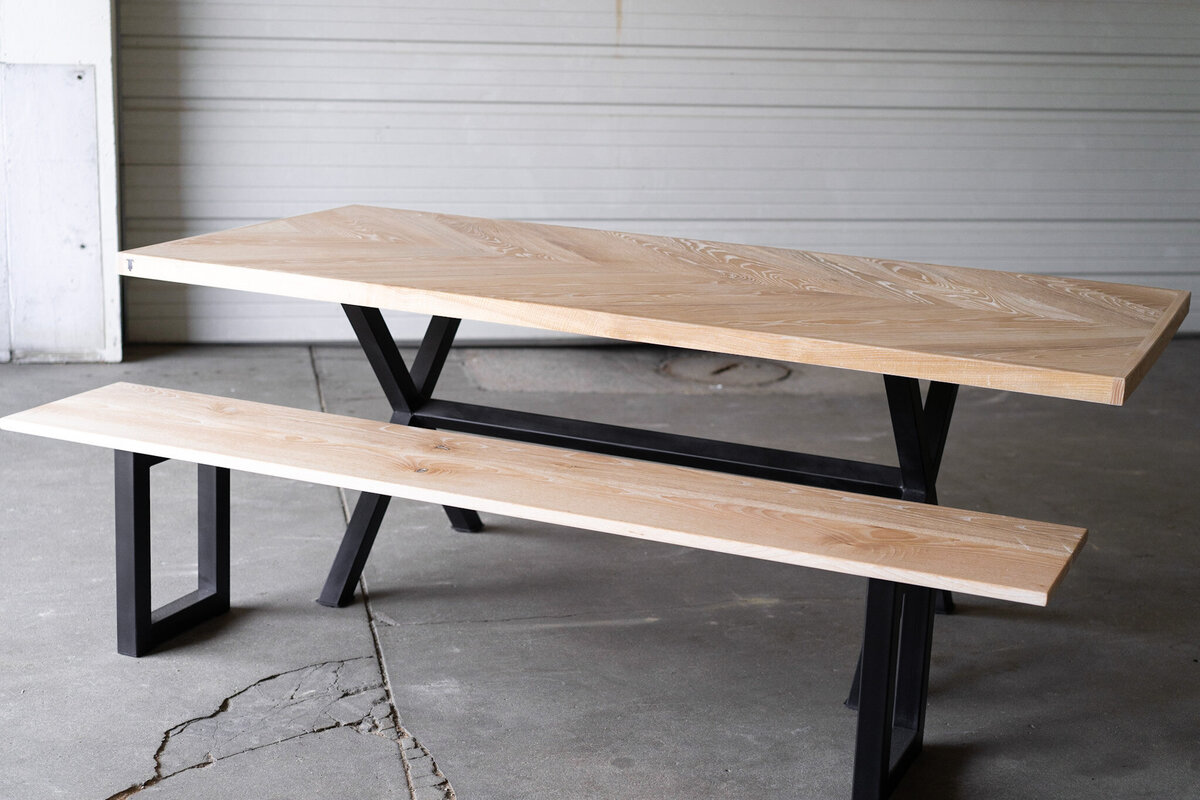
(1061, 337)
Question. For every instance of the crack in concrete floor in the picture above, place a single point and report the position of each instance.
(425, 780)
(282, 707)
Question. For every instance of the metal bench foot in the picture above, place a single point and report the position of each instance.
(139, 627)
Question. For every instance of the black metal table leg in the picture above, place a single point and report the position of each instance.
(355, 547)
(406, 392)
(891, 680)
(919, 425)
(463, 520)
(139, 627)
(920, 428)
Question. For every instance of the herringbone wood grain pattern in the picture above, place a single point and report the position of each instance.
(1055, 336)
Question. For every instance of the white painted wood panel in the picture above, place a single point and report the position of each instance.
(55, 281)
(59, 36)
(1046, 137)
(5, 296)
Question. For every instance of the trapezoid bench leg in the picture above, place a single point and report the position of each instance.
(139, 627)
(895, 685)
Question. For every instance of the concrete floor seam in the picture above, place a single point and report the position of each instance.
(425, 780)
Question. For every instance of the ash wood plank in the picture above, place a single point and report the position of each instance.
(1046, 335)
(983, 554)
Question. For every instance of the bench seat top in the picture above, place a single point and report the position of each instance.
(944, 548)
(1049, 335)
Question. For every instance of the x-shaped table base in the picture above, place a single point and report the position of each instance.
(919, 427)
(892, 678)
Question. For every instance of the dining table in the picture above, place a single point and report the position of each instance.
(926, 329)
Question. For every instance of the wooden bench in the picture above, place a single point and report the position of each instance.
(906, 549)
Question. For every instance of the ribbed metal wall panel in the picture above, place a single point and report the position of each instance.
(1051, 137)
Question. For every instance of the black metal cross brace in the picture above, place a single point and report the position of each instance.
(919, 427)
(891, 682)
(407, 392)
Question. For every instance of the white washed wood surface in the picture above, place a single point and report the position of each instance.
(983, 554)
(1061, 337)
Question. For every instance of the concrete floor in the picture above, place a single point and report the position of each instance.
(531, 661)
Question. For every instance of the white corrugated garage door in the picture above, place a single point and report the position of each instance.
(1054, 137)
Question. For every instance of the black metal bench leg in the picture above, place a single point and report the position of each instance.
(212, 554)
(894, 687)
(139, 627)
(943, 603)
(855, 684)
